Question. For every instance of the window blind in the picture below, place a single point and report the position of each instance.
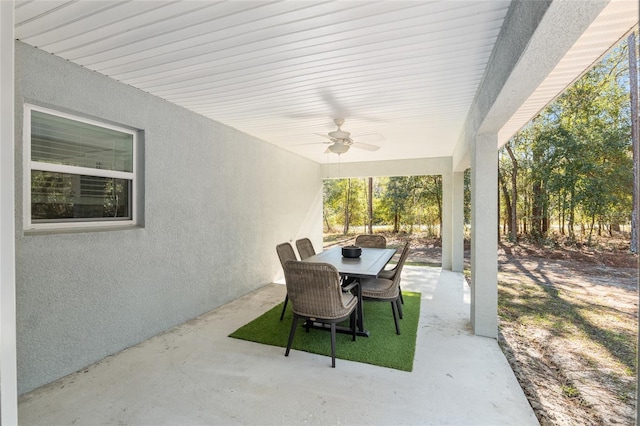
(59, 140)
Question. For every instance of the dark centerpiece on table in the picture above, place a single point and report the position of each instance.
(351, 251)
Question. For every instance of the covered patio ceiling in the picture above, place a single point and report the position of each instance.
(403, 74)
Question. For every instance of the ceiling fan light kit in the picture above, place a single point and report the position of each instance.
(338, 148)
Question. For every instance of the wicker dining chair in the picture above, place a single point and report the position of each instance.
(285, 252)
(371, 241)
(391, 273)
(316, 295)
(305, 248)
(385, 290)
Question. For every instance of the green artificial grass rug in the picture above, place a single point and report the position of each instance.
(383, 347)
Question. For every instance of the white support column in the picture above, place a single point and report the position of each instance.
(8, 367)
(457, 244)
(447, 219)
(484, 234)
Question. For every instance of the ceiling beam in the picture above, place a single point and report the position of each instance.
(533, 40)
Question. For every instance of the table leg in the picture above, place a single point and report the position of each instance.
(360, 330)
(360, 321)
(360, 310)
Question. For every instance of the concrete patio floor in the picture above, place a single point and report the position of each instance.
(195, 375)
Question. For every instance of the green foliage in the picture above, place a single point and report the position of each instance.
(395, 200)
(344, 203)
(400, 203)
(570, 391)
(575, 165)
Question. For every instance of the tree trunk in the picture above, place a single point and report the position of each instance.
(537, 197)
(347, 212)
(514, 195)
(536, 210)
(545, 215)
(591, 226)
(633, 87)
(370, 205)
(438, 184)
(570, 225)
(562, 216)
(326, 220)
(396, 222)
(507, 202)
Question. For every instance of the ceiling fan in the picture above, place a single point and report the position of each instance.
(341, 141)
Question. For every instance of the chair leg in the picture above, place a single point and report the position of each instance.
(284, 308)
(333, 345)
(294, 324)
(399, 306)
(352, 324)
(395, 315)
(401, 298)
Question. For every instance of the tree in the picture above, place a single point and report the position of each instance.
(331, 194)
(633, 90)
(343, 203)
(347, 202)
(573, 161)
(428, 195)
(370, 204)
(394, 200)
(510, 195)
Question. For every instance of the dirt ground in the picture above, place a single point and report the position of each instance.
(580, 370)
(569, 377)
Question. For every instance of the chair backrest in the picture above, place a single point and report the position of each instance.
(400, 264)
(395, 288)
(314, 289)
(305, 248)
(285, 252)
(371, 241)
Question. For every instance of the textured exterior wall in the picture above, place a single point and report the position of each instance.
(216, 202)
(8, 371)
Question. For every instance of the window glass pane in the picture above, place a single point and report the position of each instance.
(64, 196)
(60, 140)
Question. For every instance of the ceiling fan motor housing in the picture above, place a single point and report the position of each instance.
(339, 134)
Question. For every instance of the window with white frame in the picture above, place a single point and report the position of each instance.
(78, 172)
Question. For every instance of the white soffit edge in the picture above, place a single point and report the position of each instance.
(598, 38)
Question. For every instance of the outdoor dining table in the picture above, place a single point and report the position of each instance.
(370, 263)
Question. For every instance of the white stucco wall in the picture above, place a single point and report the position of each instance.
(8, 372)
(216, 203)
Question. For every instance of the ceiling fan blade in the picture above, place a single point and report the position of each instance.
(365, 146)
(324, 136)
(337, 108)
(341, 141)
(310, 143)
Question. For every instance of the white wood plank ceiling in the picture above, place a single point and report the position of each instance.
(403, 74)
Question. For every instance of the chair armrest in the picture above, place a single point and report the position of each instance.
(351, 286)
